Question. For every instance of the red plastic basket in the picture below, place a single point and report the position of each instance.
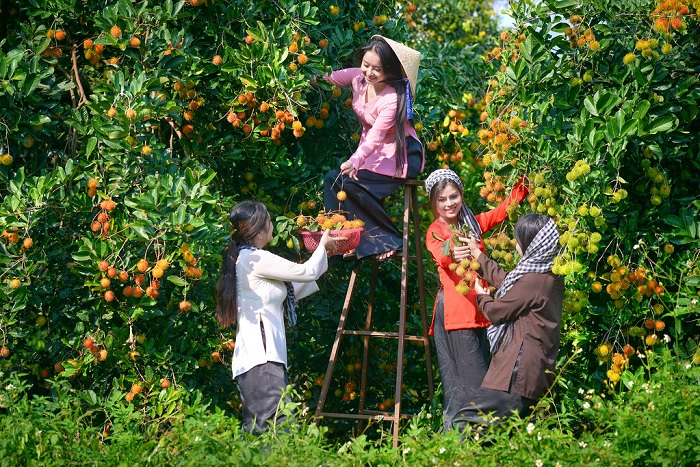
(351, 240)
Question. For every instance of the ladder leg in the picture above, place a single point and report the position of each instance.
(402, 314)
(336, 343)
(365, 353)
(421, 292)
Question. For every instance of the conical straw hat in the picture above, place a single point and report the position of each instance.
(410, 60)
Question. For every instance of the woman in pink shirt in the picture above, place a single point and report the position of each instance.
(389, 150)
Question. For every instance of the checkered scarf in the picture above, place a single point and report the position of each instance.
(539, 257)
(466, 215)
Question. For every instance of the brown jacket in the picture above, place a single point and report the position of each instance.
(534, 303)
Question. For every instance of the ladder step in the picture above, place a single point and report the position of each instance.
(368, 415)
(394, 335)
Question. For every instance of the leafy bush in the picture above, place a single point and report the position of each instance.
(642, 424)
(129, 130)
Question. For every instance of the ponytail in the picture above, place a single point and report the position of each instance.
(226, 307)
(248, 218)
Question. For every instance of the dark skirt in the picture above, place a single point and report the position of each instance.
(365, 201)
(497, 404)
(462, 358)
(261, 391)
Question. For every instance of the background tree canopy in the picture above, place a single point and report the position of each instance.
(129, 129)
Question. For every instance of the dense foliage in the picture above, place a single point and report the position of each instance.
(130, 128)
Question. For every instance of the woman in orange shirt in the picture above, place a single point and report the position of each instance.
(458, 327)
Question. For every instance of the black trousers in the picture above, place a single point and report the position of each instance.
(500, 404)
(261, 391)
(365, 201)
(462, 358)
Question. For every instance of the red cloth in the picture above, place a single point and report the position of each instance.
(460, 310)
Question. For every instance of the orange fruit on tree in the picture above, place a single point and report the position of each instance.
(142, 265)
(115, 31)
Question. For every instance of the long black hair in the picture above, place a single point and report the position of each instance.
(391, 66)
(248, 219)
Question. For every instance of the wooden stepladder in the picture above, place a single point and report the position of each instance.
(410, 207)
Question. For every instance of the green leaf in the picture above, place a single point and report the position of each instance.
(177, 280)
(588, 103)
(92, 142)
(661, 124)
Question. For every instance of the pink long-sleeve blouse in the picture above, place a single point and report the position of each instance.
(377, 145)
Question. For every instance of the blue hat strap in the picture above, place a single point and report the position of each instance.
(409, 100)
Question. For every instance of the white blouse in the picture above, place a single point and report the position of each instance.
(260, 296)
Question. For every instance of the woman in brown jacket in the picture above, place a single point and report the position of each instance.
(526, 315)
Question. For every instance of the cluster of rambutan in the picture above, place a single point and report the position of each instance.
(499, 137)
(54, 52)
(618, 361)
(577, 37)
(502, 247)
(11, 235)
(465, 268)
(191, 270)
(581, 167)
(574, 302)
(93, 52)
(99, 354)
(542, 197)
(102, 222)
(494, 189)
(313, 121)
(661, 188)
(580, 242)
(454, 122)
(565, 264)
(668, 15)
(333, 220)
(624, 282)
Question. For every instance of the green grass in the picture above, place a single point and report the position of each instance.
(648, 419)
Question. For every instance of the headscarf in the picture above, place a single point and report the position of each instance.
(539, 257)
(466, 215)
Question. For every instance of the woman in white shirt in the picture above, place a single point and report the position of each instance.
(251, 294)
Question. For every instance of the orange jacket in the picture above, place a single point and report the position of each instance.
(460, 310)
